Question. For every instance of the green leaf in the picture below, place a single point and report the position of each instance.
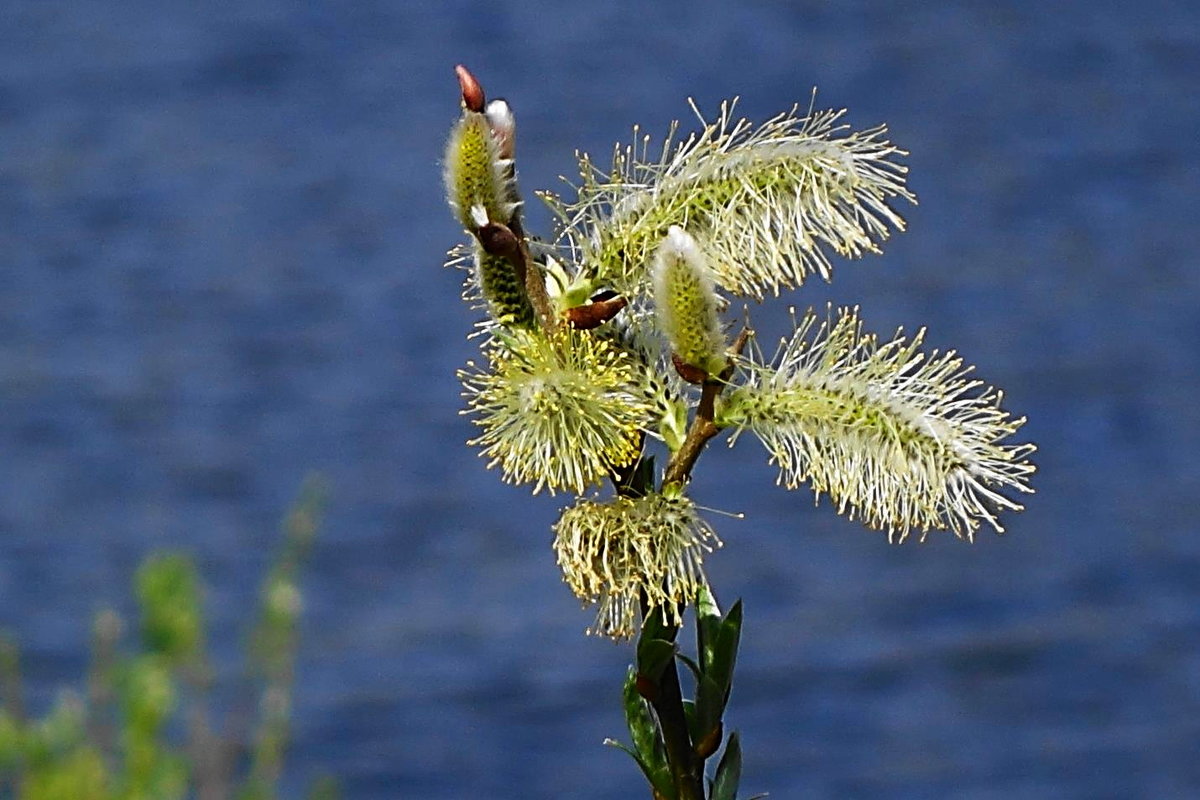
(729, 771)
(710, 705)
(148, 696)
(666, 790)
(169, 594)
(12, 741)
(691, 665)
(654, 626)
(653, 655)
(673, 425)
(724, 652)
(708, 623)
(689, 715)
(642, 726)
(648, 748)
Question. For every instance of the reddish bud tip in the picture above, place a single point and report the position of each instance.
(472, 92)
(646, 688)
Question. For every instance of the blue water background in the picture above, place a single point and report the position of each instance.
(221, 230)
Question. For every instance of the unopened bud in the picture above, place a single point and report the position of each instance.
(711, 741)
(687, 371)
(504, 126)
(604, 306)
(647, 688)
(472, 92)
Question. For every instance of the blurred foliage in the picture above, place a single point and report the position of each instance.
(141, 730)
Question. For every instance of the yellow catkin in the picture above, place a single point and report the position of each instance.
(621, 553)
(686, 301)
(476, 175)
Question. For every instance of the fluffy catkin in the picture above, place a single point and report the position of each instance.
(686, 301)
(620, 553)
(767, 204)
(477, 175)
(559, 409)
(899, 438)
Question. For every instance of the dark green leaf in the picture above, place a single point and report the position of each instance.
(666, 789)
(710, 705)
(653, 626)
(169, 594)
(708, 623)
(729, 771)
(648, 748)
(653, 655)
(642, 726)
(689, 715)
(725, 649)
(691, 665)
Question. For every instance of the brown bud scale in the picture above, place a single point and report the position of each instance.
(687, 371)
(499, 240)
(472, 93)
(595, 313)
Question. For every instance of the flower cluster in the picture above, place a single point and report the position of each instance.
(765, 202)
(611, 337)
(902, 439)
(561, 409)
(629, 551)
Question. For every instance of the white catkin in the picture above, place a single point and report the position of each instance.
(901, 439)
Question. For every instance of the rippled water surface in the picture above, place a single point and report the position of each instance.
(220, 236)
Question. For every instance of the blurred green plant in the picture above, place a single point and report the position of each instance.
(141, 728)
(610, 339)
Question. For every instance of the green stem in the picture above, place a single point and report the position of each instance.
(679, 469)
(686, 766)
(666, 697)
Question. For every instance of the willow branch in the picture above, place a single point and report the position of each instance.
(679, 469)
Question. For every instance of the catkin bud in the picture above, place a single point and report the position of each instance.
(504, 125)
(687, 305)
(472, 92)
(478, 176)
(504, 128)
(500, 287)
